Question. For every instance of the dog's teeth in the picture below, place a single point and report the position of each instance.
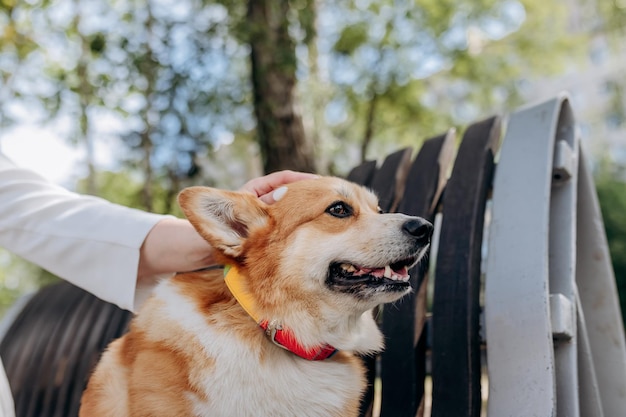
(388, 272)
(348, 267)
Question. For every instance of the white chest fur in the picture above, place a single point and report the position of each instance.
(240, 381)
(284, 385)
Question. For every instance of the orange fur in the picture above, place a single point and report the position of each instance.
(193, 351)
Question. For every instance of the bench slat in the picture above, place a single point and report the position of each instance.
(456, 341)
(363, 174)
(517, 309)
(390, 179)
(562, 266)
(403, 361)
(110, 323)
(49, 363)
(22, 360)
(604, 329)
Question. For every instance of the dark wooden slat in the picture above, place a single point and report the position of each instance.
(389, 181)
(385, 181)
(45, 365)
(402, 364)
(53, 344)
(456, 341)
(367, 402)
(363, 174)
(11, 352)
(31, 336)
(81, 318)
(62, 362)
(97, 340)
(74, 353)
(75, 377)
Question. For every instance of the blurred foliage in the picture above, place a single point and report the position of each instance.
(17, 278)
(612, 18)
(122, 188)
(170, 78)
(426, 65)
(174, 77)
(616, 114)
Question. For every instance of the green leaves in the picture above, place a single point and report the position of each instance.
(97, 43)
(351, 38)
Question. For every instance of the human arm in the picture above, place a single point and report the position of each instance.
(86, 240)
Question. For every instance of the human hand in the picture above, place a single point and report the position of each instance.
(263, 187)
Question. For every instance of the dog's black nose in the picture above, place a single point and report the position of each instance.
(419, 228)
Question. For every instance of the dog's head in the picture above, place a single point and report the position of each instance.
(325, 240)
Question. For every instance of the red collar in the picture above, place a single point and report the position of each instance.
(277, 334)
(286, 340)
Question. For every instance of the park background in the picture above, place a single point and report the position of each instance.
(134, 100)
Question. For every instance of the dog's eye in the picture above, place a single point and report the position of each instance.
(339, 209)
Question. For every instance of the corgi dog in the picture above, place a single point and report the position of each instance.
(276, 332)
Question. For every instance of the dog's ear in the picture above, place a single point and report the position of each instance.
(223, 218)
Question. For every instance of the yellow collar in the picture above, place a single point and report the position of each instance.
(235, 284)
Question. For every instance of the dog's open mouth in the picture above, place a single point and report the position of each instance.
(395, 276)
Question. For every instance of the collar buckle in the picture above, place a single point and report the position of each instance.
(271, 330)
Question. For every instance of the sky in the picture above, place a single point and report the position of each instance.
(40, 150)
(48, 154)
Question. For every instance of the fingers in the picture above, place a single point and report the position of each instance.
(274, 196)
(263, 187)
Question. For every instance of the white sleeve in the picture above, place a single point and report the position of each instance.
(88, 241)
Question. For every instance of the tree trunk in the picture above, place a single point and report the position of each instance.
(85, 93)
(369, 126)
(280, 131)
(148, 177)
(148, 70)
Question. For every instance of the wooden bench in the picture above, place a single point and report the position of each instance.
(524, 307)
